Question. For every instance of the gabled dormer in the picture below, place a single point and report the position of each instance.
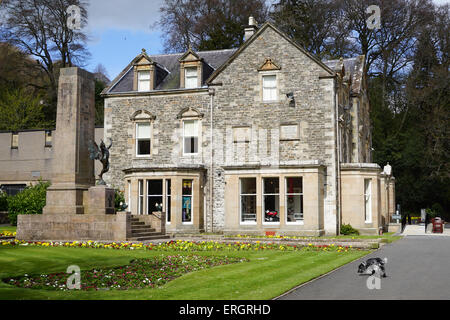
(147, 73)
(191, 70)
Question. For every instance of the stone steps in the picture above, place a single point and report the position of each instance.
(140, 231)
(152, 237)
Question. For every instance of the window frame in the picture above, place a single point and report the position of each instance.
(139, 73)
(129, 196)
(286, 194)
(186, 77)
(192, 202)
(263, 207)
(137, 139)
(168, 200)
(269, 74)
(241, 222)
(148, 195)
(13, 144)
(368, 201)
(198, 137)
(48, 139)
(141, 197)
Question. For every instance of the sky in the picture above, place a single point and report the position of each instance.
(119, 29)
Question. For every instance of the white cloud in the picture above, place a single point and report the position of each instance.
(133, 15)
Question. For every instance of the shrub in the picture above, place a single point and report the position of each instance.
(30, 201)
(3, 201)
(347, 229)
(119, 200)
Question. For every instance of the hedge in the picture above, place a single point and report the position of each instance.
(30, 201)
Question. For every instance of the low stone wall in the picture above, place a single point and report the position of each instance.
(74, 227)
(394, 227)
(4, 217)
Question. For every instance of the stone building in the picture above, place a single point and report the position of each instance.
(26, 156)
(261, 138)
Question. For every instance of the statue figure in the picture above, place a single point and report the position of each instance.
(100, 153)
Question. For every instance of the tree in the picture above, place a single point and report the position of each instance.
(21, 110)
(318, 25)
(39, 29)
(207, 24)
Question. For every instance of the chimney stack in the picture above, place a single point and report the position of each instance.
(251, 28)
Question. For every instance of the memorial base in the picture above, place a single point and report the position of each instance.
(70, 227)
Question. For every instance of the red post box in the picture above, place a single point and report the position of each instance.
(438, 225)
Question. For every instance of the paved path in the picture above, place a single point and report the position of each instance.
(418, 268)
(419, 230)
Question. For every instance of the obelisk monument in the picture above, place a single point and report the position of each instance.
(73, 170)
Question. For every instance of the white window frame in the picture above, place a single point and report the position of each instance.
(270, 194)
(168, 199)
(263, 87)
(198, 137)
(141, 204)
(368, 201)
(140, 81)
(240, 202)
(137, 123)
(129, 196)
(154, 195)
(192, 202)
(190, 77)
(286, 194)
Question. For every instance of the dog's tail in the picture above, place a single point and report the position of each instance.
(385, 260)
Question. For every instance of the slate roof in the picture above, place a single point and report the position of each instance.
(170, 63)
(168, 71)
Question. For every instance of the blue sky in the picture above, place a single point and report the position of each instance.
(119, 29)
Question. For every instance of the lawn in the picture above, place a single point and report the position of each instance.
(8, 228)
(267, 274)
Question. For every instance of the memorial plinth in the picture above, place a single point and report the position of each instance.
(75, 208)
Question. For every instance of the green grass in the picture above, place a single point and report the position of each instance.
(386, 237)
(268, 274)
(8, 228)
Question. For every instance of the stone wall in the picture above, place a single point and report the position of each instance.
(74, 227)
(238, 102)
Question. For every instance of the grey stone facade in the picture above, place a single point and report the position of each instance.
(324, 96)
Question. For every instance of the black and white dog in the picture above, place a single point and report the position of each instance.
(373, 266)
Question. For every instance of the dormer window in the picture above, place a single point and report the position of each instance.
(191, 69)
(190, 77)
(143, 80)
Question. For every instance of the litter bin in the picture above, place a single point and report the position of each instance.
(438, 225)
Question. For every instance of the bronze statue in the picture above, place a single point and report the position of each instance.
(100, 153)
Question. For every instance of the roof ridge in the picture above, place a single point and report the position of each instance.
(181, 53)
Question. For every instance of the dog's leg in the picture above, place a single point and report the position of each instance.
(384, 271)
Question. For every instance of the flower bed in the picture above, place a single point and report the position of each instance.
(186, 246)
(140, 273)
(7, 234)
